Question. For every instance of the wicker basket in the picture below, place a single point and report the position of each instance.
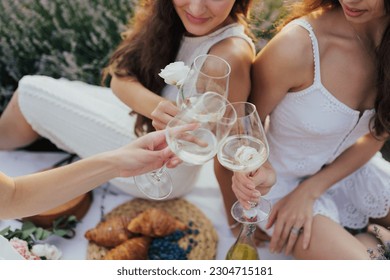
(206, 240)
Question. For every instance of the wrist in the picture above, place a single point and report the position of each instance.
(315, 187)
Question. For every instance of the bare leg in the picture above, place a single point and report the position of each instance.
(370, 242)
(330, 241)
(15, 131)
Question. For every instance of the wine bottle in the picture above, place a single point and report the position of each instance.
(244, 248)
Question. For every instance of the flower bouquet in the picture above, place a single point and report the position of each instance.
(28, 241)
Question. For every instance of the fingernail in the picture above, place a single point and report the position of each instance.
(256, 194)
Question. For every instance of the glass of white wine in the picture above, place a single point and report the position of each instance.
(194, 135)
(213, 115)
(208, 73)
(245, 149)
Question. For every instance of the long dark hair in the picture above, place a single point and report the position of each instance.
(381, 119)
(152, 42)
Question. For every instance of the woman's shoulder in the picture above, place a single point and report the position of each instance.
(287, 56)
(235, 50)
(292, 42)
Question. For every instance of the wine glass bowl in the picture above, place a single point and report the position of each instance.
(208, 73)
(212, 116)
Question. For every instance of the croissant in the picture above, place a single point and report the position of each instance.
(155, 222)
(110, 232)
(132, 249)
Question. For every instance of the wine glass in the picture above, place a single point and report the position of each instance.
(245, 149)
(193, 135)
(208, 73)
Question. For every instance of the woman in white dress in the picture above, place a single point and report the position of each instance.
(86, 120)
(328, 118)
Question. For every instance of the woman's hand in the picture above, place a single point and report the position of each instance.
(292, 216)
(249, 187)
(145, 154)
(163, 113)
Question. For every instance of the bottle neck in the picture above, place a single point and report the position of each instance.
(247, 231)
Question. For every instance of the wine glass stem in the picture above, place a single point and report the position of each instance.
(158, 173)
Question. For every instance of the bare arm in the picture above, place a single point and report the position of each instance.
(131, 92)
(35, 193)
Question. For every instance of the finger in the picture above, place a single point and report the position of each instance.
(263, 189)
(251, 193)
(283, 237)
(292, 239)
(245, 180)
(158, 125)
(173, 162)
(242, 198)
(278, 229)
(158, 140)
(307, 233)
(189, 137)
(272, 216)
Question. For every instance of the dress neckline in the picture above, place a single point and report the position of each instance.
(317, 73)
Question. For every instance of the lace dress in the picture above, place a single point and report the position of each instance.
(310, 129)
(86, 119)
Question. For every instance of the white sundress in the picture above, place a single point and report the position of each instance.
(310, 129)
(86, 119)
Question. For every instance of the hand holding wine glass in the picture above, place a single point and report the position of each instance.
(245, 150)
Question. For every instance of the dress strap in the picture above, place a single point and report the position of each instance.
(316, 53)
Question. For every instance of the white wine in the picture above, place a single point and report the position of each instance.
(241, 251)
(197, 147)
(242, 153)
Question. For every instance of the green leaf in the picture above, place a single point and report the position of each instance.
(5, 231)
(46, 234)
(27, 225)
(60, 232)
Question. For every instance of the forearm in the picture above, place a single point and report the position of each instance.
(131, 92)
(348, 162)
(36, 193)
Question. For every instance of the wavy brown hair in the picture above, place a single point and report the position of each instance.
(381, 119)
(152, 42)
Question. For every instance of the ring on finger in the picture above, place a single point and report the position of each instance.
(252, 204)
(295, 230)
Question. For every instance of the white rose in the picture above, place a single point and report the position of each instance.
(50, 252)
(175, 73)
(245, 154)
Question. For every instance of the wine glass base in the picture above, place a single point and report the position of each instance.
(154, 186)
(256, 214)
